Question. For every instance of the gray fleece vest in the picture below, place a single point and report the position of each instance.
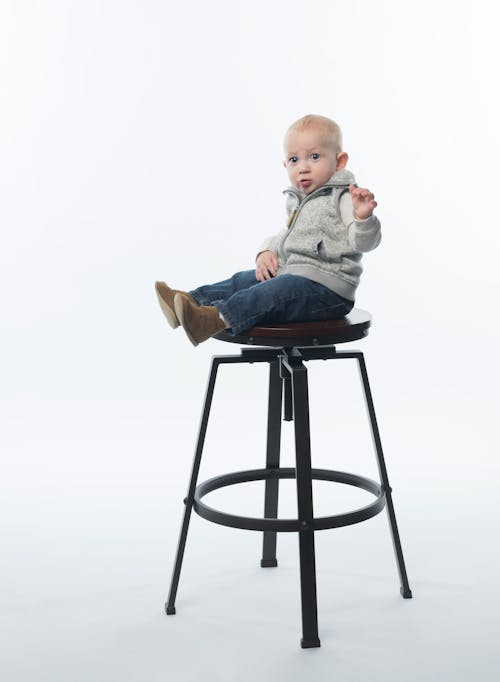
(317, 244)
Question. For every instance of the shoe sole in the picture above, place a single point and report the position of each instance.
(179, 311)
(166, 309)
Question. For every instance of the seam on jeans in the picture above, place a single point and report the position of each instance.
(282, 300)
(247, 320)
(327, 307)
(201, 300)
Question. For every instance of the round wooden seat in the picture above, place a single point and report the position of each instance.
(326, 332)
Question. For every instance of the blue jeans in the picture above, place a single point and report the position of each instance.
(245, 302)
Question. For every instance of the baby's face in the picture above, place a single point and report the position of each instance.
(310, 159)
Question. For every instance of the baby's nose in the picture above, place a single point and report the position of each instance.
(304, 166)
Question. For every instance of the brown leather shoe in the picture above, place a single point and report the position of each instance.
(199, 322)
(166, 299)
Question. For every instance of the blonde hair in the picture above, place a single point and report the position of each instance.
(331, 129)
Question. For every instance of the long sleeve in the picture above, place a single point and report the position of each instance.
(271, 243)
(363, 235)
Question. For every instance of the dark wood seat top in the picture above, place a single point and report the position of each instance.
(350, 328)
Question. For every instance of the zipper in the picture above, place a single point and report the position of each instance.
(294, 214)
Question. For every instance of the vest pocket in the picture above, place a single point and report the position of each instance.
(324, 254)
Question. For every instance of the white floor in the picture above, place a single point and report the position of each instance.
(91, 530)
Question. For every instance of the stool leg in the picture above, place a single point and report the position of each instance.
(170, 605)
(288, 405)
(305, 507)
(405, 587)
(272, 462)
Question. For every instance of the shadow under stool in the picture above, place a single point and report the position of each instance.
(286, 348)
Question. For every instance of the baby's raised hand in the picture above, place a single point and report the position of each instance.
(266, 265)
(363, 202)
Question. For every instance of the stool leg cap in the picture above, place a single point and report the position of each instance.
(406, 593)
(309, 643)
(268, 563)
(169, 610)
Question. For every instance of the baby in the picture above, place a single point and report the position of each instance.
(310, 270)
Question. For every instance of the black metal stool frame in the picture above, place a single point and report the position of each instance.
(288, 372)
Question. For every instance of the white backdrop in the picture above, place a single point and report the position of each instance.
(142, 141)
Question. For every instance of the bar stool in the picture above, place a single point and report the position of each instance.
(286, 348)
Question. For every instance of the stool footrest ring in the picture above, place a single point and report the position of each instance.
(288, 525)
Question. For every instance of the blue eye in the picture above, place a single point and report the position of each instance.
(314, 157)
(293, 159)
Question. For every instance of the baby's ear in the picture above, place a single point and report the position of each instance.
(342, 159)
(284, 163)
